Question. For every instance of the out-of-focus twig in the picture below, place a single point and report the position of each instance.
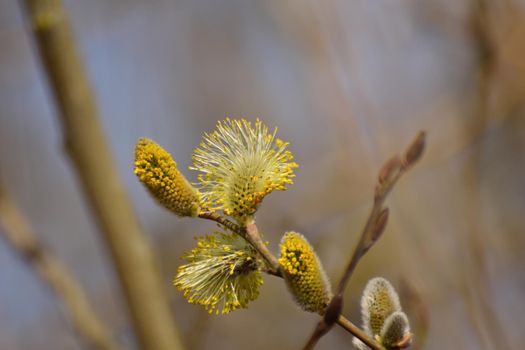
(417, 310)
(21, 237)
(390, 173)
(477, 293)
(90, 153)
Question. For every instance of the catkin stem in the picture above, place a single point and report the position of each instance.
(356, 331)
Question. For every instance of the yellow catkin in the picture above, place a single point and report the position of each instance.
(239, 164)
(304, 273)
(157, 170)
(222, 273)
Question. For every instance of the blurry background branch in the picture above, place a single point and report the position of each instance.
(476, 284)
(90, 153)
(21, 237)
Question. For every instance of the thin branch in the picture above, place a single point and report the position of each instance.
(20, 235)
(253, 236)
(250, 234)
(97, 173)
(352, 328)
(390, 173)
(221, 220)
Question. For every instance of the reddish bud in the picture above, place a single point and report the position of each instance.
(415, 150)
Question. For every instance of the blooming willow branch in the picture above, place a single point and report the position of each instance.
(239, 164)
(341, 321)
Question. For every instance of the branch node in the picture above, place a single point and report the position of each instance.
(333, 311)
(389, 169)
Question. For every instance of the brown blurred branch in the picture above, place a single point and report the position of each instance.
(417, 309)
(20, 235)
(90, 153)
(390, 173)
(353, 329)
(477, 295)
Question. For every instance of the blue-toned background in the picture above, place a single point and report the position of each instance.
(348, 83)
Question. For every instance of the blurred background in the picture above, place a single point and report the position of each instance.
(348, 83)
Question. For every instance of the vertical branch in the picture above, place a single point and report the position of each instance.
(19, 234)
(482, 313)
(89, 151)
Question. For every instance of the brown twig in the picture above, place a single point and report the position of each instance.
(221, 220)
(417, 311)
(251, 234)
(20, 235)
(351, 328)
(478, 299)
(390, 173)
(90, 153)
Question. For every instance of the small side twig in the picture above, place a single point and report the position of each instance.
(221, 220)
(358, 332)
(21, 237)
(390, 173)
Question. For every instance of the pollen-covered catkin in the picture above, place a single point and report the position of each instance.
(304, 273)
(222, 273)
(239, 164)
(157, 170)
